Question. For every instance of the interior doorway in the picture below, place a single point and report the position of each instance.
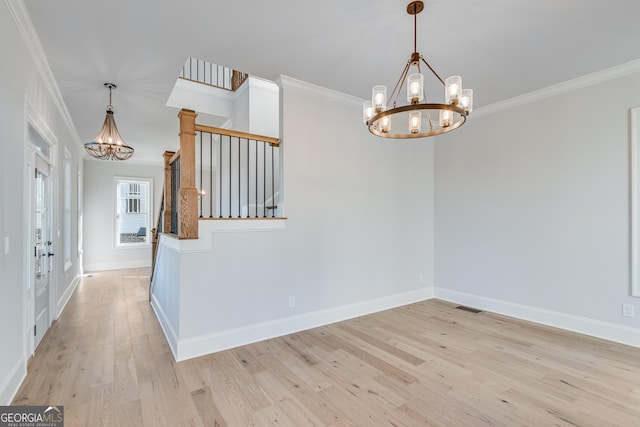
(42, 249)
(40, 231)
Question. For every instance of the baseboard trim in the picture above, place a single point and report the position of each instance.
(583, 325)
(121, 265)
(165, 325)
(64, 299)
(10, 386)
(224, 340)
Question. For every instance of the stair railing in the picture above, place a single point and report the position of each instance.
(239, 175)
(199, 71)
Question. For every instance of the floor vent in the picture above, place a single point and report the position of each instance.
(469, 309)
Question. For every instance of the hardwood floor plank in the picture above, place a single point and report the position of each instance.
(153, 406)
(300, 391)
(101, 406)
(369, 358)
(234, 368)
(426, 364)
(273, 416)
(207, 410)
(296, 411)
(128, 414)
(382, 345)
(229, 398)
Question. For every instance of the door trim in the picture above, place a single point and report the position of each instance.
(34, 120)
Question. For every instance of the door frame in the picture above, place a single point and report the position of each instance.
(47, 152)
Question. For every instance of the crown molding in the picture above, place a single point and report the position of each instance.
(261, 83)
(527, 98)
(287, 82)
(21, 17)
(560, 88)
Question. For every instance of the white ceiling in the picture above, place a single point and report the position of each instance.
(502, 48)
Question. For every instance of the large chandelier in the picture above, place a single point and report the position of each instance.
(108, 145)
(419, 119)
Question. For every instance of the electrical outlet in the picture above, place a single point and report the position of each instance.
(292, 301)
(628, 310)
(420, 278)
(6, 245)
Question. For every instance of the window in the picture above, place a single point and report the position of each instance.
(133, 202)
(67, 209)
(133, 198)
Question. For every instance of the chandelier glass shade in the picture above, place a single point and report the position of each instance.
(109, 145)
(419, 118)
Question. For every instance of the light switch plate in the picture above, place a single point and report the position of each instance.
(628, 310)
(6, 245)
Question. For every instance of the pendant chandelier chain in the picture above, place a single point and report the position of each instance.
(110, 86)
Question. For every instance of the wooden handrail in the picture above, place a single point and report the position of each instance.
(175, 156)
(187, 195)
(274, 142)
(154, 241)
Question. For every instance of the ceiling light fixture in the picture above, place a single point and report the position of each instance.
(419, 119)
(108, 145)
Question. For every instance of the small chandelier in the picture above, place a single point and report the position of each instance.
(108, 145)
(419, 119)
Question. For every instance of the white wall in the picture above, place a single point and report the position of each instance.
(532, 210)
(359, 233)
(203, 98)
(100, 251)
(264, 115)
(252, 108)
(22, 76)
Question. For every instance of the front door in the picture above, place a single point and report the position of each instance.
(41, 210)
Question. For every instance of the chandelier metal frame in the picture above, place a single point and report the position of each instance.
(379, 119)
(108, 144)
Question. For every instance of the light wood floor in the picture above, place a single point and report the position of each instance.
(425, 364)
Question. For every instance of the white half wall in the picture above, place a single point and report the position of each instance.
(252, 108)
(358, 235)
(100, 251)
(532, 207)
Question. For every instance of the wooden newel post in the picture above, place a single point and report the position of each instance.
(166, 219)
(188, 194)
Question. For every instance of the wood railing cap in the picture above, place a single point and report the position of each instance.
(219, 131)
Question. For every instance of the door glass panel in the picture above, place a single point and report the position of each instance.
(43, 248)
(41, 262)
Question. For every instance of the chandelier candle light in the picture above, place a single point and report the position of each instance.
(419, 119)
(108, 145)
